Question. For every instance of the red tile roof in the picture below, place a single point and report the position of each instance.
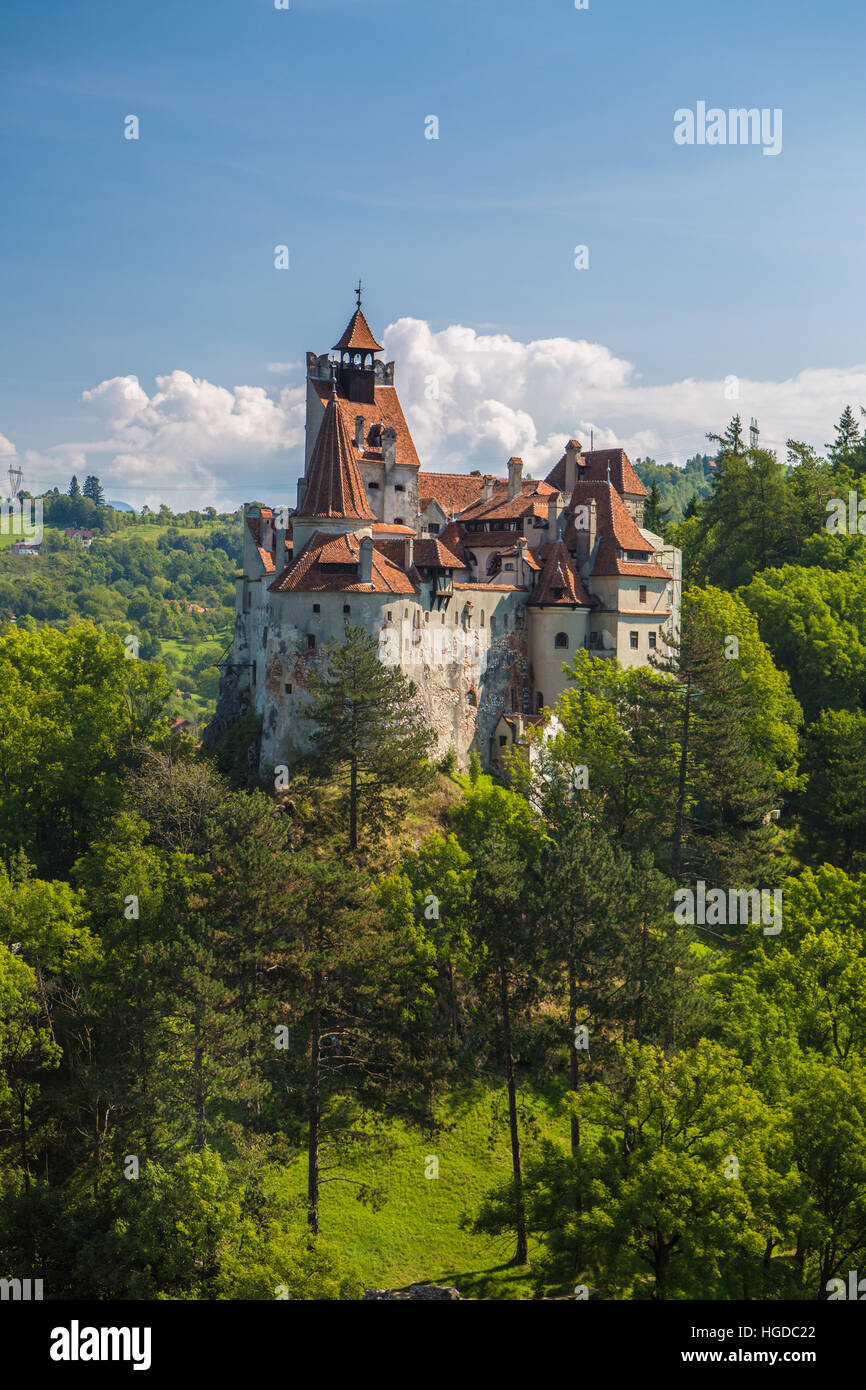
(434, 554)
(306, 572)
(456, 491)
(450, 536)
(255, 527)
(505, 508)
(616, 530)
(357, 336)
(558, 572)
(334, 483)
(386, 411)
(622, 473)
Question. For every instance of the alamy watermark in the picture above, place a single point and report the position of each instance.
(737, 906)
(22, 518)
(735, 126)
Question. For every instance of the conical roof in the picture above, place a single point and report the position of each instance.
(334, 483)
(357, 336)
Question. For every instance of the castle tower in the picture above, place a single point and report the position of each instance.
(331, 497)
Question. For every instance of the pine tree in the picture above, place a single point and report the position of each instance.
(655, 515)
(848, 448)
(74, 490)
(93, 490)
(369, 731)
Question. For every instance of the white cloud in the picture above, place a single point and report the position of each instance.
(192, 442)
(528, 398)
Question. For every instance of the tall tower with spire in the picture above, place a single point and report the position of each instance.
(365, 397)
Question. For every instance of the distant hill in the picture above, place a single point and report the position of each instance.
(677, 485)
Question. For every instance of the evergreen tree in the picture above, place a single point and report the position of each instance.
(655, 515)
(847, 448)
(369, 731)
(74, 490)
(93, 490)
(503, 837)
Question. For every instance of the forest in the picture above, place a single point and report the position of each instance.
(388, 1021)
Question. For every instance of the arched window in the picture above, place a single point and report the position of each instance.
(561, 639)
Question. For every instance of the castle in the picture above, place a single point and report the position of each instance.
(480, 587)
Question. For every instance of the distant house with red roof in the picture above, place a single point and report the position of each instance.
(78, 533)
(480, 586)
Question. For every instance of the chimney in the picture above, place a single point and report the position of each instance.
(389, 446)
(515, 478)
(572, 460)
(359, 432)
(365, 559)
(487, 487)
(519, 728)
(409, 553)
(585, 520)
(553, 512)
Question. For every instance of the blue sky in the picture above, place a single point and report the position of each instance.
(306, 127)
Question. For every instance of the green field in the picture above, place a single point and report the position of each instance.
(416, 1237)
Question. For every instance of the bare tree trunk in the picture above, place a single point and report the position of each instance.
(676, 859)
(314, 1112)
(521, 1255)
(198, 1090)
(353, 803)
(573, 1069)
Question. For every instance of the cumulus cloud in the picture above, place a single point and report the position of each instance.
(191, 443)
(467, 395)
(471, 399)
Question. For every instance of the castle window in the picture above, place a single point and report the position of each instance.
(483, 618)
(398, 487)
(652, 641)
(398, 521)
(434, 528)
(264, 635)
(560, 640)
(471, 697)
(558, 594)
(317, 608)
(346, 608)
(632, 641)
(311, 641)
(288, 687)
(374, 487)
(503, 739)
(254, 673)
(539, 702)
(389, 615)
(643, 593)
